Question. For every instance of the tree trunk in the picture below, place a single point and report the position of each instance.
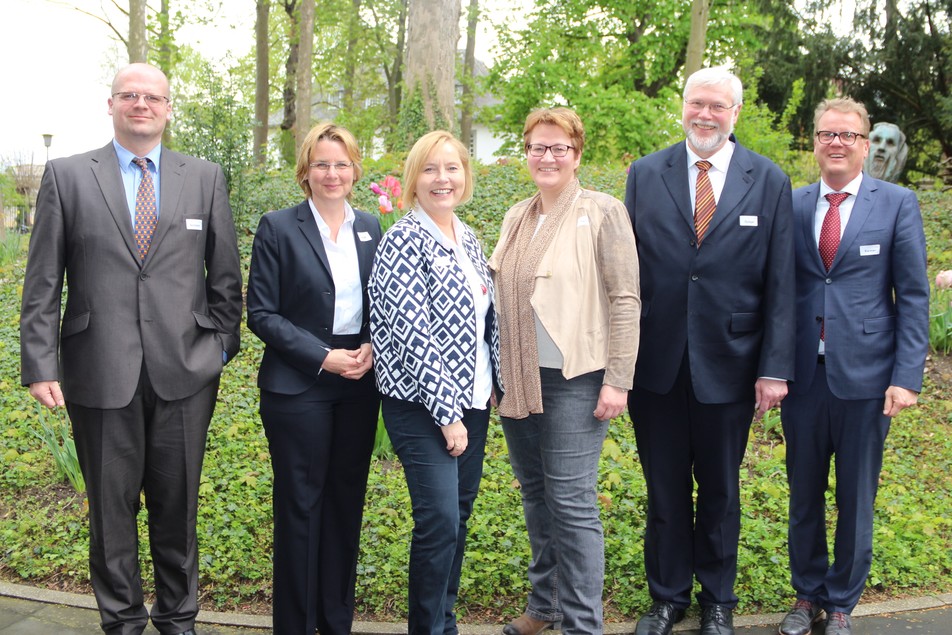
(469, 76)
(395, 76)
(260, 134)
(430, 68)
(700, 9)
(138, 43)
(304, 74)
(350, 62)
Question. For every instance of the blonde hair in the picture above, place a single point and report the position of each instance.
(564, 118)
(845, 105)
(420, 153)
(326, 132)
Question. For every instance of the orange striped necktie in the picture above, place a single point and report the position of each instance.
(146, 216)
(704, 204)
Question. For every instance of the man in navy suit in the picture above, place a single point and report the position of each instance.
(713, 223)
(862, 338)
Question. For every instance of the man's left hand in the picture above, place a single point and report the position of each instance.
(768, 393)
(898, 399)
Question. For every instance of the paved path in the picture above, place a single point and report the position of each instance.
(30, 611)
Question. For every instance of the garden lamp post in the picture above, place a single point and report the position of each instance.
(47, 140)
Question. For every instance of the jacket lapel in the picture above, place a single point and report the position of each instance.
(806, 210)
(365, 248)
(105, 167)
(738, 183)
(313, 235)
(171, 183)
(861, 211)
(675, 179)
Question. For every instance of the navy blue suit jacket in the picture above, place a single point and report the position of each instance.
(291, 294)
(874, 299)
(729, 302)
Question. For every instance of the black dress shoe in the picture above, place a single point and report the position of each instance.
(717, 619)
(659, 620)
(190, 631)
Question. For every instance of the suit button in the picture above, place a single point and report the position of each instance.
(829, 281)
(143, 276)
(819, 319)
(694, 277)
(693, 243)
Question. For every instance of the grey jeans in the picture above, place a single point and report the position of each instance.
(555, 457)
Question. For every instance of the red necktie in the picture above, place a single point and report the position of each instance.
(146, 216)
(830, 235)
(704, 204)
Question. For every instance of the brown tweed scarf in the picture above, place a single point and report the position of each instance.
(515, 283)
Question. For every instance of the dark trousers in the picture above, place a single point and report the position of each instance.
(442, 489)
(818, 426)
(680, 441)
(157, 447)
(321, 443)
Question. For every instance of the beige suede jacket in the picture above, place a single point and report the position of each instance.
(587, 293)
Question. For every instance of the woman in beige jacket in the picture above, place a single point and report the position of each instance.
(566, 274)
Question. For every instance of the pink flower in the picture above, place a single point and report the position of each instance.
(376, 189)
(385, 205)
(944, 279)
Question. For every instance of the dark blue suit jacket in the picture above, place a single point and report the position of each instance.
(729, 302)
(874, 299)
(291, 295)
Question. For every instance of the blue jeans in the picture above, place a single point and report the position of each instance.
(442, 491)
(555, 457)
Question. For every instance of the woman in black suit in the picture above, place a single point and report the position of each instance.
(307, 301)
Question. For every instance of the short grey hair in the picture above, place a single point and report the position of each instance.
(716, 76)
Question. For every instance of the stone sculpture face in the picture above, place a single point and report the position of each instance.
(887, 152)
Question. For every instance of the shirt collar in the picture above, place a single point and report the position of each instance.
(323, 226)
(721, 159)
(851, 188)
(125, 156)
(429, 225)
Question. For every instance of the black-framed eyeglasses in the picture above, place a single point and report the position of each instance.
(847, 138)
(131, 98)
(325, 166)
(538, 149)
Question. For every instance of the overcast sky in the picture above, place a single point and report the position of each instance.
(58, 63)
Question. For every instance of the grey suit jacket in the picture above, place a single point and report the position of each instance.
(874, 299)
(175, 312)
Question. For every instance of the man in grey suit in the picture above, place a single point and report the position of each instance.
(862, 339)
(715, 241)
(146, 240)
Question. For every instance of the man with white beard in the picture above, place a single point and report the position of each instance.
(713, 224)
(887, 152)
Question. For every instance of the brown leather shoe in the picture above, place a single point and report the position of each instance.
(527, 625)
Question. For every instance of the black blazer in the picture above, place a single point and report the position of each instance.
(730, 303)
(291, 295)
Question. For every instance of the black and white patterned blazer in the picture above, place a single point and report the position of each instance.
(423, 320)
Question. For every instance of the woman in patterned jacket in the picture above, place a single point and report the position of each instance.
(436, 355)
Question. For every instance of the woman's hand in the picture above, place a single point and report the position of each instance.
(365, 361)
(348, 364)
(456, 438)
(611, 403)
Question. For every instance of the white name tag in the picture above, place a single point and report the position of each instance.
(748, 221)
(869, 250)
(583, 221)
(363, 236)
(193, 223)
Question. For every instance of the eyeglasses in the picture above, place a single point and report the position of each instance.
(558, 150)
(325, 166)
(152, 100)
(846, 138)
(717, 107)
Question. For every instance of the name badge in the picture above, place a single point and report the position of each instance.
(583, 221)
(748, 221)
(869, 250)
(193, 223)
(363, 236)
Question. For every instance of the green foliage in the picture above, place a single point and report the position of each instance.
(44, 535)
(11, 246)
(940, 321)
(55, 433)
(214, 123)
(413, 123)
